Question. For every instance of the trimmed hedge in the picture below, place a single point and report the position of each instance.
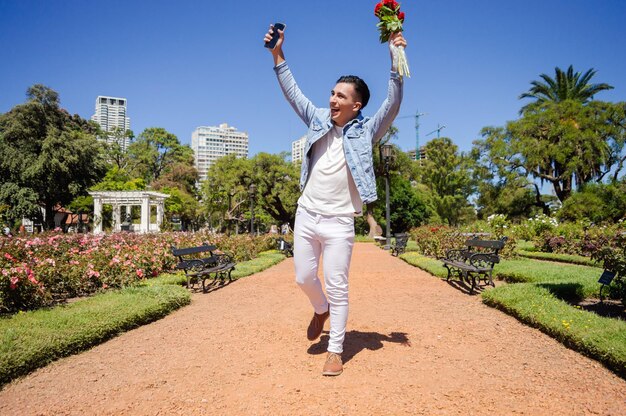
(562, 258)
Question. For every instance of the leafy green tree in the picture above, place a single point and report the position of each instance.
(117, 179)
(116, 153)
(17, 202)
(154, 151)
(567, 144)
(277, 184)
(596, 202)
(502, 191)
(184, 205)
(48, 155)
(181, 175)
(225, 193)
(446, 174)
(564, 86)
(407, 208)
(179, 181)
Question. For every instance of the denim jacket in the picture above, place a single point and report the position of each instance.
(359, 135)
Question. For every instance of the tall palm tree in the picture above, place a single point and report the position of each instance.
(566, 86)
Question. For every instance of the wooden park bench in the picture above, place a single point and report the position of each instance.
(284, 247)
(202, 268)
(399, 246)
(475, 261)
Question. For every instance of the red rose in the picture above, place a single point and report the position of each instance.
(391, 4)
(377, 8)
(401, 16)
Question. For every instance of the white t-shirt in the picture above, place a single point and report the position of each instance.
(330, 189)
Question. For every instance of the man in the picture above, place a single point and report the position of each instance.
(337, 178)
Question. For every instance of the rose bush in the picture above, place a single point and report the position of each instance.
(434, 241)
(40, 270)
(577, 238)
(613, 257)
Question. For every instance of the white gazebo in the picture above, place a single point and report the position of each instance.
(127, 199)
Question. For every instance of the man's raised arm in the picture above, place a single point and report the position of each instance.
(302, 106)
(388, 111)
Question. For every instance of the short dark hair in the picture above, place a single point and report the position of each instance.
(359, 86)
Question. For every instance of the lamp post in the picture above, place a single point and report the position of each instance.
(252, 193)
(386, 153)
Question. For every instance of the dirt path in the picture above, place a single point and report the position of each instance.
(415, 346)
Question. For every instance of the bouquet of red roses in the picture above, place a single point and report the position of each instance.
(391, 19)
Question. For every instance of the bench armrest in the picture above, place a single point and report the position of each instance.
(224, 258)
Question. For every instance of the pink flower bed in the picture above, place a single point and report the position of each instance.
(39, 270)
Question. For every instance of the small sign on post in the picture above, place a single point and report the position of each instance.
(607, 277)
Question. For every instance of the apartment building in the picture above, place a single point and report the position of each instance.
(209, 143)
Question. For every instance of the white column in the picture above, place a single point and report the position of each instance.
(117, 218)
(97, 215)
(145, 214)
(159, 217)
(128, 215)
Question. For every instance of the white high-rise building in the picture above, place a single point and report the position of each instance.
(211, 143)
(297, 150)
(111, 115)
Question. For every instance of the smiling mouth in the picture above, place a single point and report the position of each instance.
(334, 111)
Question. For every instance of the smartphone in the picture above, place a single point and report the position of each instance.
(275, 35)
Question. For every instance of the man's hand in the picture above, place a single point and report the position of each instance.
(396, 40)
(277, 52)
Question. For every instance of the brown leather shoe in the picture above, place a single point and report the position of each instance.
(316, 326)
(333, 365)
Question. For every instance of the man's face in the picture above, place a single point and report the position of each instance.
(344, 104)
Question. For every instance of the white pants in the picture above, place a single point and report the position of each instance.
(333, 237)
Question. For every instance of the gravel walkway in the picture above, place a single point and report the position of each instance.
(415, 345)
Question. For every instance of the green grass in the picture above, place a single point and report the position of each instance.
(265, 260)
(569, 281)
(535, 304)
(30, 340)
(431, 265)
(525, 245)
(562, 258)
(539, 297)
(411, 246)
(527, 249)
(33, 339)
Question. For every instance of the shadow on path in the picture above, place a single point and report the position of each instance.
(466, 287)
(211, 286)
(357, 341)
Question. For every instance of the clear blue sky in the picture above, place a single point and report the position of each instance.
(183, 64)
